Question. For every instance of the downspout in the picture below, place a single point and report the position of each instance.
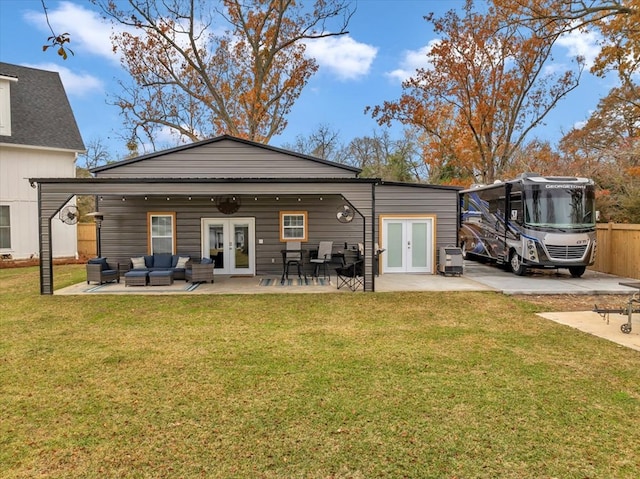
(373, 237)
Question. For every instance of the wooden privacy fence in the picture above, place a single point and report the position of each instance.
(87, 239)
(618, 250)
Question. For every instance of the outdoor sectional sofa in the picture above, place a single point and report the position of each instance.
(159, 262)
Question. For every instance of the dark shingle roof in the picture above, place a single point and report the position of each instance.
(40, 110)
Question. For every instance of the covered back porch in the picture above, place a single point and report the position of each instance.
(194, 203)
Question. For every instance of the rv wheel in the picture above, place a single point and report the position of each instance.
(516, 265)
(577, 271)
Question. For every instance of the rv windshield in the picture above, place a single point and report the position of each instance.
(563, 206)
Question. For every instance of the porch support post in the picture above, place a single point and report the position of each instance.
(369, 240)
(45, 249)
(370, 252)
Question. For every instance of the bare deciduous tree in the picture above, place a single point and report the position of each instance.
(201, 68)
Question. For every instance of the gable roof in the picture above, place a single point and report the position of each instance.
(220, 139)
(40, 111)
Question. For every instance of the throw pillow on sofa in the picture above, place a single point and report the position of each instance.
(138, 263)
(182, 262)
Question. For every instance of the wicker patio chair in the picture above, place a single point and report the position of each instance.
(100, 271)
(199, 272)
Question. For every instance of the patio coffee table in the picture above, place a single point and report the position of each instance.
(160, 278)
(135, 278)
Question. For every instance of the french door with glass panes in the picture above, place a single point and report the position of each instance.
(408, 244)
(230, 243)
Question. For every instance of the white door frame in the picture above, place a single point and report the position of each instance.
(406, 224)
(229, 243)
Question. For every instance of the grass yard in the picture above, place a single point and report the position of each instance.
(383, 385)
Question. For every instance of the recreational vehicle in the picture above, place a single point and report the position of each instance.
(530, 222)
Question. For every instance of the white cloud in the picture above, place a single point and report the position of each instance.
(412, 60)
(579, 125)
(87, 30)
(584, 44)
(343, 56)
(75, 83)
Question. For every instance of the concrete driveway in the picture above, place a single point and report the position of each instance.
(545, 281)
(484, 277)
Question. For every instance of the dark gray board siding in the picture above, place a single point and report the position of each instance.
(421, 200)
(125, 225)
(50, 205)
(226, 159)
(124, 229)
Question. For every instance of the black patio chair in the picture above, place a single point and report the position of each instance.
(351, 275)
(293, 255)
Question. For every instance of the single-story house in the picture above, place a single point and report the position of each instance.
(240, 202)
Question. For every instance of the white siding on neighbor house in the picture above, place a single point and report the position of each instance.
(16, 166)
(226, 159)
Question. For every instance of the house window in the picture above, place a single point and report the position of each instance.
(293, 226)
(5, 228)
(5, 104)
(162, 237)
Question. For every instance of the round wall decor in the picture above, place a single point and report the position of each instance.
(227, 205)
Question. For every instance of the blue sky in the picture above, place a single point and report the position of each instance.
(365, 68)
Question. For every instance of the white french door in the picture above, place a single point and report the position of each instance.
(409, 245)
(230, 243)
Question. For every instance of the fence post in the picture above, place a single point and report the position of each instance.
(607, 268)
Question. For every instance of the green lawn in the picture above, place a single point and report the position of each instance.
(416, 385)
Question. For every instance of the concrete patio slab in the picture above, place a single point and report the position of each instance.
(593, 323)
(223, 284)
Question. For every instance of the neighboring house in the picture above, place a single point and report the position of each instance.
(38, 137)
(240, 202)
